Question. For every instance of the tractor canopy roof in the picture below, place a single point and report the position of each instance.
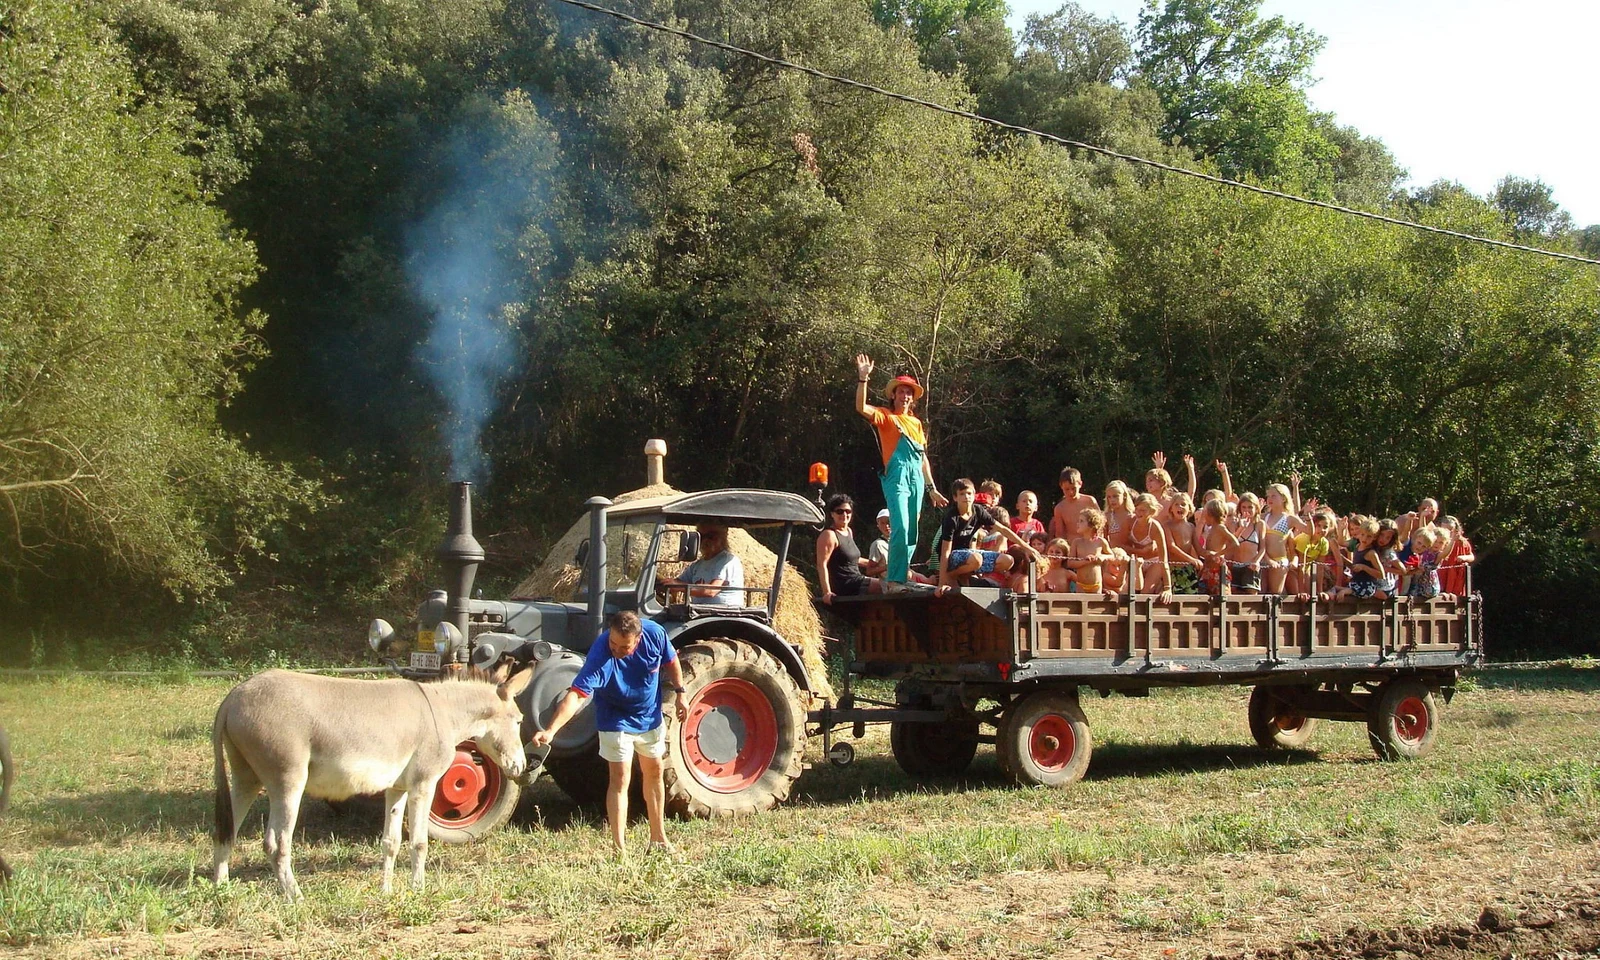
(733, 508)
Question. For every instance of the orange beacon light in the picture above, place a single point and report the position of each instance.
(819, 474)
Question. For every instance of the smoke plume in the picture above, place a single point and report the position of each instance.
(473, 260)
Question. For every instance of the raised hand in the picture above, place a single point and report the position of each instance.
(1222, 468)
(1188, 463)
(1294, 478)
(1159, 459)
(864, 366)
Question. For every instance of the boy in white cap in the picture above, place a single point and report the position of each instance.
(877, 559)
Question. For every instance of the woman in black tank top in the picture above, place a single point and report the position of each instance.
(838, 558)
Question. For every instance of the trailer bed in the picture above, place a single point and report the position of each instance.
(991, 634)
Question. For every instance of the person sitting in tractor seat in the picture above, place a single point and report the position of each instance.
(718, 576)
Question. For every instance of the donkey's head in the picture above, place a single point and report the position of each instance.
(502, 738)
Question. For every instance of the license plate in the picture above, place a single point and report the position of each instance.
(424, 661)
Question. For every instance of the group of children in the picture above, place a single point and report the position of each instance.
(1160, 542)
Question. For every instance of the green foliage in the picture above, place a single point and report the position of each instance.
(1529, 209)
(120, 328)
(1231, 83)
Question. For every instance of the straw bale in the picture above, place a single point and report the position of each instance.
(796, 620)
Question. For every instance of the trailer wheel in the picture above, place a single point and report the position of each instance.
(1275, 723)
(1044, 740)
(1404, 720)
(472, 798)
(934, 750)
(741, 748)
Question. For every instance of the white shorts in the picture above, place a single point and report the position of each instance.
(618, 747)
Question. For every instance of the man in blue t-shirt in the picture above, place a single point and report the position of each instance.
(622, 675)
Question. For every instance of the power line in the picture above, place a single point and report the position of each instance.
(1063, 141)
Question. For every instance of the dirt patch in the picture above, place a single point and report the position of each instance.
(1547, 930)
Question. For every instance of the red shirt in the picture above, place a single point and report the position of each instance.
(1452, 575)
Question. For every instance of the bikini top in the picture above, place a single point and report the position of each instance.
(1281, 525)
(1135, 542)
(1252, 538)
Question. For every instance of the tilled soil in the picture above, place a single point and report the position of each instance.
(1555, 930)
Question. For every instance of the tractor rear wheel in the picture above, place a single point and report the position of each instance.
(1044, 740)
(1275, 723)
(472, 798)
(740, 750)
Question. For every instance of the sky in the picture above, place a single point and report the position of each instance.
(1463, 90)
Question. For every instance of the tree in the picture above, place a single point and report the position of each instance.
(120, 327)
(1232, 84)
(1529, 209)
(1082, 47)
(1589, 240)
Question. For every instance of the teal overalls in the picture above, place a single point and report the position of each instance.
(902, 493)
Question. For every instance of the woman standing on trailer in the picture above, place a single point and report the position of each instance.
(906, 471)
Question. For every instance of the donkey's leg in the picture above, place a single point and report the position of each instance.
(421, 798)
(241, 795)
(285, 809)
(395, 801)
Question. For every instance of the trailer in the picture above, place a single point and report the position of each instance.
(1018, 663)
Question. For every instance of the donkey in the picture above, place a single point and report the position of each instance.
(298, 734)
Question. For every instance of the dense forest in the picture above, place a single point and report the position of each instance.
(271, 272)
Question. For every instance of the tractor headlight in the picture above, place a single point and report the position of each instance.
(379, 635)
(446, 638)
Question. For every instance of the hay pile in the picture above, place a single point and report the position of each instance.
(558, 578)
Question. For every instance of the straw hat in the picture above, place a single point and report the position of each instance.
(903, 380)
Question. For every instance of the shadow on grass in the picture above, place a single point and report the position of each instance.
(880, 778)
(94, 818)
(1552, 678)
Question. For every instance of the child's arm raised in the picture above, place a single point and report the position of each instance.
(1188, 468)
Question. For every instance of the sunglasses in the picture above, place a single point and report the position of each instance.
(845, 511)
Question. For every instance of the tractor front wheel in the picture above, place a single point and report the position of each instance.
(472, 798)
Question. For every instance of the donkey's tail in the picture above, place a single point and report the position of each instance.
(222, 828)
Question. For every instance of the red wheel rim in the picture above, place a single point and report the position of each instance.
(731, 736)
(1411, 720)
(1052, 744)
(1288, 722)
(468, 788)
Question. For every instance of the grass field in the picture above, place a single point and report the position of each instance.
(1184, 838)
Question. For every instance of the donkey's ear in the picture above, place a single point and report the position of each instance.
(497, 674)
(518, 683)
